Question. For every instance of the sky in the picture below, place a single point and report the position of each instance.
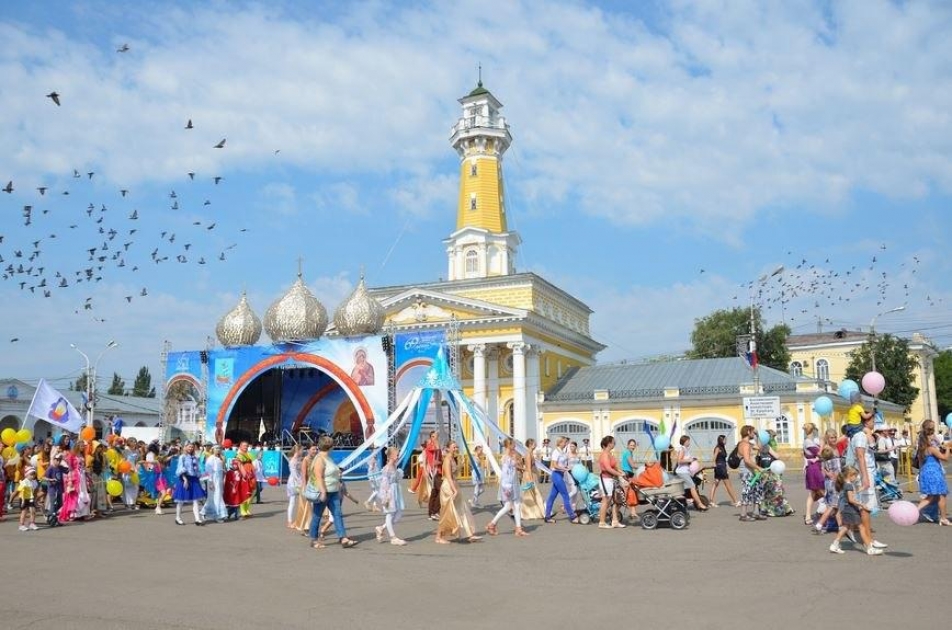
(665, 157)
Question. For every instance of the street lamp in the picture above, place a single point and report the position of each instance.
(91, 379)
(752, 344)
(872, 333)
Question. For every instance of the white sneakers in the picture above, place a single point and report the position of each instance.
(878, 545)
(873, 551)
(835, 548)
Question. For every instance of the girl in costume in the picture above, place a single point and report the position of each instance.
(813, 469)
(70, 488)
(509, 493)
(373, 476)
(130, 480)
(455, 517)
(421, 485)
(214, 507)
(391, 497)
(302, 522)
(188, 488)
(246, 461)
(235, 490)
(532, 505)
(293, 486)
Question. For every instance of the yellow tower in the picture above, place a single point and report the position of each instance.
(482, 245)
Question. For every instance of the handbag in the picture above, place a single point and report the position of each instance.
(311, 492)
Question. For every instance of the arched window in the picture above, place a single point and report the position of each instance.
(823, 369)
(574, 431)
(472, 263)
(796, 368)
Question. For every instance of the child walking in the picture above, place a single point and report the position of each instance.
(27, 491)
(853, 513)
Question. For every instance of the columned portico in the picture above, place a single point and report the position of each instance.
(533, 387)
(479, 374)
(519, 349)
(492, 397)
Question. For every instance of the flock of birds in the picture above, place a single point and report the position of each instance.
(107, 239)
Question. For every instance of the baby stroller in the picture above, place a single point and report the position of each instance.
(590, 491)
(886, 491)
(666, 499)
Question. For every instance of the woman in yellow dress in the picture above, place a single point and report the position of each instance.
(305, 508)
(455, 517)
(532, 504)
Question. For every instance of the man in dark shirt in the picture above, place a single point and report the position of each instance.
(54, 489)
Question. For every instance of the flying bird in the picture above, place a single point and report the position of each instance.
(189, 124)
(220, 145)
(42, 190)
(8, 188)
(217, 179)
(123, 192)
(123, 48)
(55, 97)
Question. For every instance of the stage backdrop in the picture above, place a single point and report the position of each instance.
(341, 386)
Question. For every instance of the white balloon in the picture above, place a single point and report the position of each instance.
(777, 467)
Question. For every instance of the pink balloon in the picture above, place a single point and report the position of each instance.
(904, 513)
(695, 467)
(873, 383)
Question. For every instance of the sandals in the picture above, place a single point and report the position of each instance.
(807, 520)
(492, 530)
(521, 533)
(347, 543)
(318, 545)
(575, 521)
(379, 532)
(549, 520)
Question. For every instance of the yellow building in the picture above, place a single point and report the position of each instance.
(518, 333)
(701, 398)
(825, 356)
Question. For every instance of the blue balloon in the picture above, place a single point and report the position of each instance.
(661, 442)
(764, 437)
(847, 387)
(948, 420)
(823, 406)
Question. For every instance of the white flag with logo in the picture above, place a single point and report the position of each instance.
(50, 405)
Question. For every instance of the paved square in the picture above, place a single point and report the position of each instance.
(138, 570)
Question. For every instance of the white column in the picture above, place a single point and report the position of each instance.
(479, 373)
(492, 396)
(519, 349)
(533, 387)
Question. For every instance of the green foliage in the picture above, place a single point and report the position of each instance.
(143, 384)
(942, 366)
(118, 387)
(893, 361)
(80, 384)
(715, 336)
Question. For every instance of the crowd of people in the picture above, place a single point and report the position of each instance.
(68, 480)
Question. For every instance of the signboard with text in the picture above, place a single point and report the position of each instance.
(761, 407)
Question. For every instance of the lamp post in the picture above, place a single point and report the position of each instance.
(752, 344)
(91, 379)
(872, 333)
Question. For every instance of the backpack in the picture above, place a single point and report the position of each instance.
(733, 460)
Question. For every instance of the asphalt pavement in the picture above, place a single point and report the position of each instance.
(139, 570)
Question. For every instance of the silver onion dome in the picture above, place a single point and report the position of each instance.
(359, 314)
(240, 326)
(297, 316)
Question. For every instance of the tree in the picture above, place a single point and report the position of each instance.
(715, 336)
(893, 361)
(80, 384)
(118, 387)
(942, 368)
(143, 384)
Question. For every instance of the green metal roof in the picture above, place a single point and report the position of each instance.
(478, 90)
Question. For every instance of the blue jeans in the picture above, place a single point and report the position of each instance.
(559, 488)
(331, 502)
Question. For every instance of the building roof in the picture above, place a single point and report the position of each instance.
(479, 89)
(649, 380)
(823, 338)
(105, 403)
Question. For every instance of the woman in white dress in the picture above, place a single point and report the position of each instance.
(390, 496)
(214, 507)
(294, 483)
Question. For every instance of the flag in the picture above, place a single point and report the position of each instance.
(752, 359)
(50, 405)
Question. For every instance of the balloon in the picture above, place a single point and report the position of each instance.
(88, 433)
(662, 442)
(24, 435)
(111, 438)
(903, 513)
(9, 436)
(114, 487)
(823, 406)
(948, 420)
(764, 437)
(695, 468)
(777, 467)
(8, 452)
(847, 387)
(874, 383)
(227, 443)
(125, 466)
(273, 481)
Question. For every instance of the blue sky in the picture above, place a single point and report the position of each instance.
(663, 157)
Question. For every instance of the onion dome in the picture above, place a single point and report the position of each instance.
(360, 314)
(298, 316)
(240, 326)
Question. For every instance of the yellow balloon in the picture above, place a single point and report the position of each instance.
(24, 435)
(8, 453)
(8, 436)
(114, 487)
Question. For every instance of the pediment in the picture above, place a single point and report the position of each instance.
(420, 305)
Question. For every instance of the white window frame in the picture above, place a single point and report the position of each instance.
(796, 368)
(822, 370)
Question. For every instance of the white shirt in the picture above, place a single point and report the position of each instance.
(585, 452)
